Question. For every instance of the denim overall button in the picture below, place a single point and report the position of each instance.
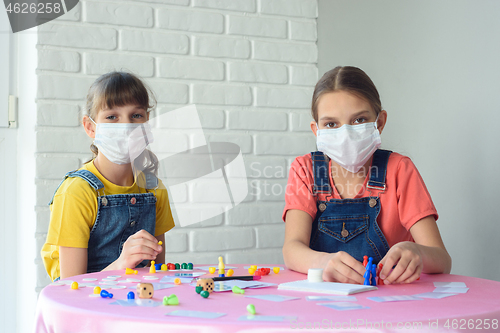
(372, 203)
(133, 201)
(322, 207)
(132, 223)
(104, 201)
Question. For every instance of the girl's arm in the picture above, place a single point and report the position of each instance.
(72, 261)
(426, 255)
(299, 257)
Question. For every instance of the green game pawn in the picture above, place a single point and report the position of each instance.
(251, 309)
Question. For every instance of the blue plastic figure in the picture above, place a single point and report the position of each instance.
(130, 295)
(374, 274)
(368, 272)
(105, 294)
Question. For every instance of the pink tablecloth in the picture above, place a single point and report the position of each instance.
(61, 309)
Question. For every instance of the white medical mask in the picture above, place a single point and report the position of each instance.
(349, 145)
(121, 143)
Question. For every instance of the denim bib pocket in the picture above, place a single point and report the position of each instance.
(337, 227)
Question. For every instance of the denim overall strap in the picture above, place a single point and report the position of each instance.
(320, 173)
(86, 175)
(119, 216)
(378, 169)
(350, 225)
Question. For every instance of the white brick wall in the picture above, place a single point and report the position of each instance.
(248, 65)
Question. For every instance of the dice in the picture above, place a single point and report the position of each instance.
(206, 284)
(145, 290)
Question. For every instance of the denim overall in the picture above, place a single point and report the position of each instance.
(118, 217)
(349, 225)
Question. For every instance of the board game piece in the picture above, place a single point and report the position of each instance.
(164, 267)
(74, 285)
(374, 275)
(365, 260)
(199, 289)
(230, 272)
(211, 270)
(171, 300)
(251, 309)
(105, 294)
(207, 284)
(204, 294)
(130, 271)
(221, 267)
(380, 281)
(177, 281)
(97, 290)
(237, 290)
(276, 270)
(130, 295)
(190, 265)
(145, 290)
(152, 269)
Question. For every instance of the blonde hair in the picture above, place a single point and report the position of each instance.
(350, 79)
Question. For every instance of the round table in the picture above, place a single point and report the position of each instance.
(62, 309)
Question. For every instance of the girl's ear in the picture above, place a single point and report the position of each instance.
(89, 126)
(382, 119)
(314, 128)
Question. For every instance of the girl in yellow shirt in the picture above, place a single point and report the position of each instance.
(102, 216)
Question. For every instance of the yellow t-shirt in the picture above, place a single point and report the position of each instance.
(74, 211)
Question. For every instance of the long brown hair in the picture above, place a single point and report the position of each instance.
(350, 79)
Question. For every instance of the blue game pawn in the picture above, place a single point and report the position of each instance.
(130, 295)
(367, 276)
(374, 274)
(368, 272)
(105, 294)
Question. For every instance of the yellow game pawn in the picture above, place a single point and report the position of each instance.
(221, 267)
(130, 271)
(152, 269)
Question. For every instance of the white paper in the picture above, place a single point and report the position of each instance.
(325, 287)
(452, 290)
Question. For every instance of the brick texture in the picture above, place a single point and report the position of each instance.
(249, 66)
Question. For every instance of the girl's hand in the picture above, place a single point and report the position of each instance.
(407, 258)
(138, 247)
(342, 267)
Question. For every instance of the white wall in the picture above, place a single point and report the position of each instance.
(436, 65)
(248, 65)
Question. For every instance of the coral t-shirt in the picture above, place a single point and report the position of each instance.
(404, 202)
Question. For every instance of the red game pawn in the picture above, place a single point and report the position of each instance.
(365, 260)
(380, 281)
